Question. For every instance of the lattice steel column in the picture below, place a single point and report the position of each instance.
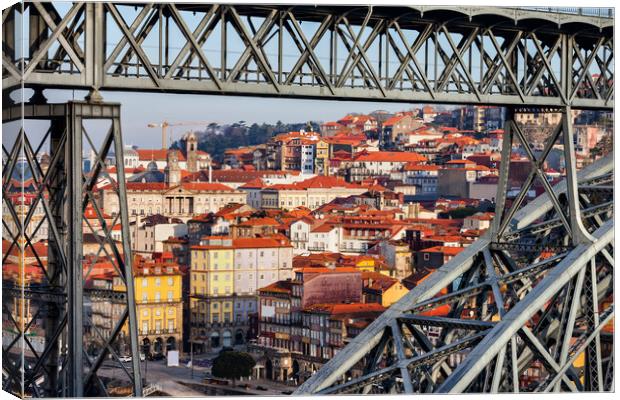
(57, 291)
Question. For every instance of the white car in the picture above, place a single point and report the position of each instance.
(142, 357)
(125, 358)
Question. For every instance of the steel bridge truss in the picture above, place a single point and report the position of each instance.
(532, 296)
(463, 55)
(52, 309)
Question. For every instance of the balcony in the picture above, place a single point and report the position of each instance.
(160, 301)
(143, 332)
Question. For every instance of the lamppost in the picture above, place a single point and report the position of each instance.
(145, 349)
(191, 350)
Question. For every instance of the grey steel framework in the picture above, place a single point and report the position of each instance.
(535, 292)
(537, 283)
(464, 55)
(69, 364)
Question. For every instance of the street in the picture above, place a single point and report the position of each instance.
(178, 381)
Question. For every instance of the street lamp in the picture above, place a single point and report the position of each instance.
(191, 350)
(145, 348)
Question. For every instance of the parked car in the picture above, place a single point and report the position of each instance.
(259, 387)
(142, 357)
(125, 358)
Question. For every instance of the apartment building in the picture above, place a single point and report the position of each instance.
(225, 275)
(366, 165)
(159, 304)
(311, 193)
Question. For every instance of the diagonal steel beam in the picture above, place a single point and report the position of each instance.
(196, 47)
(132, 41)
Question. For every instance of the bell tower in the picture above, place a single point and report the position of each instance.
(173, 170)
(191, 147)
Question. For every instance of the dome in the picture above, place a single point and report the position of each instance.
(152, 166)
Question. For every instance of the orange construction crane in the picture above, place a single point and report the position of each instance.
(164, 129)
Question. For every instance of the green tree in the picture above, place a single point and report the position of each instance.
(233, 365)
(462, 212)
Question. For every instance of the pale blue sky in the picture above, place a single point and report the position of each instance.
(139, 109)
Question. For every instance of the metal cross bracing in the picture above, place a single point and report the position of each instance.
(57, 344)
(532, 296)
(462, 55)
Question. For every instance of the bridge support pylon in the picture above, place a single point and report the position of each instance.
(532, 297)
(71, 304)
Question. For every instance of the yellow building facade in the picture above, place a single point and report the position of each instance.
(159, 306)
(211, 288)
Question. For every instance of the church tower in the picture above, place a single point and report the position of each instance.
(191, 147)
(173, 170)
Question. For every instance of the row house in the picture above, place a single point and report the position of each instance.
(311, 193)
(347, 235)
(434, 257)
(332, 128)
(203, 225)
(382, 289)
(285, 343)
(424, 177)
(458, 176)
(159, 304)
(367, 165)
(479, 221)
(148, 234)
(407, 140)
(225, 275)
(359, 123)
(484, 188)
(254, 227)
(396, 125)
(397, 256)
(360, 233)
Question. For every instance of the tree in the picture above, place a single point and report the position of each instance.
(459, 213)
(233, 365)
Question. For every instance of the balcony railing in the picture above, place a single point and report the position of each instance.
(158, 331)
(316, 248)
(160, 301)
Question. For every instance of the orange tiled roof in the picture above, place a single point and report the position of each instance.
(451, 251)
(352, 308)
(156, 154)
(390, 156)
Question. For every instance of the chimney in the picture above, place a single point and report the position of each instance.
(210, 173)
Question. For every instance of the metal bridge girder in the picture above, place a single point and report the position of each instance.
(464, 55)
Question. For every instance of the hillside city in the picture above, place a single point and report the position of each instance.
(286, 249)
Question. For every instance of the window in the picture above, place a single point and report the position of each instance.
(427, 256)
(170, 281)
(145, 282)
(157, 281)
(170, 295)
